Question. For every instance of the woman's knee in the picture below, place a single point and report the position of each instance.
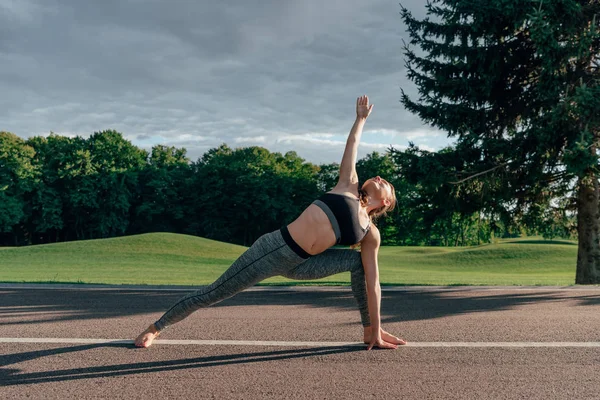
(355, 260)
(356, 255)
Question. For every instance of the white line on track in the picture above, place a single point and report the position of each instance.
(296, 344)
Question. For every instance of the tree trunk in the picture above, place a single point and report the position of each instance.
(588, 229)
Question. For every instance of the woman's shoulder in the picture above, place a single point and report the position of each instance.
(345, 190)
(372, 235)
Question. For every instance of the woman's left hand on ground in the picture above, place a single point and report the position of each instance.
(388, 337)
(377, 341)
(385, 337)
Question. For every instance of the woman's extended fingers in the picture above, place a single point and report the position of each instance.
(363, 108)
(386, 345)
(388, 337)
(381, 344)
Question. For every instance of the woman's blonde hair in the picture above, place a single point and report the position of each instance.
(379, 212)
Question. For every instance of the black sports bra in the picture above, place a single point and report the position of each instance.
(342, 212)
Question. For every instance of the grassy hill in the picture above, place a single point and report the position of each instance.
(166, 258)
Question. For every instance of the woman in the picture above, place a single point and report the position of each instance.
(301, 250)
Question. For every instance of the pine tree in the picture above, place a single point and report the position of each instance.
(517, 83)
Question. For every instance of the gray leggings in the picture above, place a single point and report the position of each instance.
(271, 256)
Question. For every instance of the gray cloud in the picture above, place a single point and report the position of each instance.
(198, 74)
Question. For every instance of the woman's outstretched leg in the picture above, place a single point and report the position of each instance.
(268, 256)
(335, 261)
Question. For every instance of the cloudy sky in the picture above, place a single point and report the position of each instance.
(282, 74)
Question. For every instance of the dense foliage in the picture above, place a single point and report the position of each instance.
(57, 188)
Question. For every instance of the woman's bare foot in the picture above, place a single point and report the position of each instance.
(385, 336)
(146, 338)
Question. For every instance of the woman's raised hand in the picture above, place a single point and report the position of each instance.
(363, 109)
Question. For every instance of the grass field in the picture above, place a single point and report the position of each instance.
(172, 259)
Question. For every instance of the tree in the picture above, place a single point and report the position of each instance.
(517, 84)
(162, 187)
(375, 164)
(73, 174)
(437, 212)
(116, 163)
(327, 176)
(17, 175)
(46, 200)
(241, 194)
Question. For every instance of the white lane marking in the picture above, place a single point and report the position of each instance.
(296, 344)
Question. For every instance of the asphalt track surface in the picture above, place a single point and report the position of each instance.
(302, 343)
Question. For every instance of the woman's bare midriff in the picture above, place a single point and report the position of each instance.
(312, 230)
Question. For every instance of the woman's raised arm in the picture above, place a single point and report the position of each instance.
(348, 174)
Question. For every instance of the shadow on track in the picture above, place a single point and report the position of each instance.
(9, 377)
(416, 305)
(16, 358)
(33, 306)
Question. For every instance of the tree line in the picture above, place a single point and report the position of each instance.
(59, 188)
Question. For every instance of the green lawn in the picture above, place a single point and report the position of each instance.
(172, 259)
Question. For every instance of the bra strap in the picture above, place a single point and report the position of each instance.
(332, 219)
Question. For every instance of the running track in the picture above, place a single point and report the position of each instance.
(302, 343)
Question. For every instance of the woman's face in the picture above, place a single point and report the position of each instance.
(378, 189)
